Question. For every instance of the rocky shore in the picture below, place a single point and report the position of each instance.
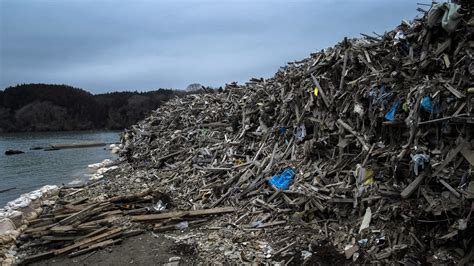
(360, 153)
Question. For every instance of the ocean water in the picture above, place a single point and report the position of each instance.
(36, 168)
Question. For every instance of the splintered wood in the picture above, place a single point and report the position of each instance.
(374, 135)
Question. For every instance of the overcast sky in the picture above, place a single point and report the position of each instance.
(102, 45)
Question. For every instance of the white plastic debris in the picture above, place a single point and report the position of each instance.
(159, 206)
(300, 132)
(399, 36)
(366, 221)
(306, 254)
(182, 225)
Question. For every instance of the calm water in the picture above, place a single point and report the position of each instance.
(36, 168)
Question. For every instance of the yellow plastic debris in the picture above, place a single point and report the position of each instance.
(316, 91)
(239, 162)
(369, 181)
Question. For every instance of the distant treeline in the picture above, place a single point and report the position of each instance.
(44, 107)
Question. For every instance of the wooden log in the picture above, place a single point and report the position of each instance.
(76, 145)
(168, 215)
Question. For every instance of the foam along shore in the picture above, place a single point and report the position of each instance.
(106, 165)
(101, 168)
(17, 214)
(115, 148)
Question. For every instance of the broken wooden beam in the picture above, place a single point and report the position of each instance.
(168, 215)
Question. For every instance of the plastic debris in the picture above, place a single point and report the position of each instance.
(300, 133)
(419, 161)
(305, 255)
(159, 206)
(182, 225)
(283, 180)
(390, 115)
(427, 105)
(366, 220)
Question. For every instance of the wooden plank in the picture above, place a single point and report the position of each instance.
(128, 198)
(78, 215)
(37, 257)
(454, 91)
(59, 238)
(167, 215)
(351, 130)
(321, 91)
(341, 200)
(343, 73)
(107, 220)
(452, 154)
(103, 236)
(94, 247)
(63, 228)
(450, 188)
(94, 233)
(408, 191)
(39, 229)
(169, 155)
(109, 213)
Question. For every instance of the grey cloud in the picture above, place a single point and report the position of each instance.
(117, 45)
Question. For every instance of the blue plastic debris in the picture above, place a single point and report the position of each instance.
(363, 242)
(427, 106)
(283, 180)
(390, 115)
(282, 130)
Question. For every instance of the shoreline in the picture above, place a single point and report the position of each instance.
(17, 214)
(39, 166)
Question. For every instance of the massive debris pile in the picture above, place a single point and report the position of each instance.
(375, 135)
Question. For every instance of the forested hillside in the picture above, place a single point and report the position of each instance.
(45, 107)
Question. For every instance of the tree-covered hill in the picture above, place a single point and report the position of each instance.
(45, 107)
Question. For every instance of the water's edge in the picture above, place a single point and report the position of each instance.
(36, 168)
